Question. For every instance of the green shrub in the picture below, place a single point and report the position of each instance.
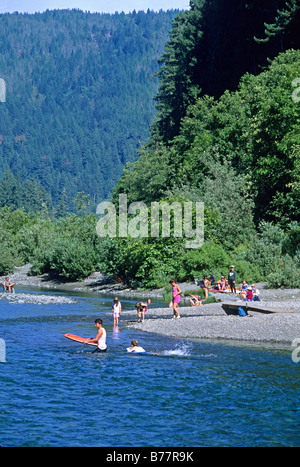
(209, 259)
(73, 259)
(247, 271)
(286, 273)
(7, 261)
(9, 255)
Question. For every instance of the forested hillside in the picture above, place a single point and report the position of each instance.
(213, 45)
(226, 133)
(79, 96)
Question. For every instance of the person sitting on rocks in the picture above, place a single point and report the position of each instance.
(255, 293)
(222, 284)
(249, 295)
(8, 285)
(243, 289)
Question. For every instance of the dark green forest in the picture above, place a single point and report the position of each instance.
(226, 132)
(79, 97)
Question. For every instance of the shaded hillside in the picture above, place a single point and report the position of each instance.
(79, 90)
(213, 45)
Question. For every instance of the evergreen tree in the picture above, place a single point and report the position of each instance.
(211, 46)
(9, 190)
(287, 15)
(62, 208)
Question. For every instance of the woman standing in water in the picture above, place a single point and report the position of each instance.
(175, 298)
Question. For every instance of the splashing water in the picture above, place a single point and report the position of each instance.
(183, 350)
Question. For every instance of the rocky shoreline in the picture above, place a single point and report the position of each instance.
(209, 322)
(206, 322)
(97, 282)
(36, 299)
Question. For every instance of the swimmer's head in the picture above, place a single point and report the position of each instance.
(134, 343)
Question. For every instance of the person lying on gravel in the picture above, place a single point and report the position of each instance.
(195, 300)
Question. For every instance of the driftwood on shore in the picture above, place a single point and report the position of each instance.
(233, 308)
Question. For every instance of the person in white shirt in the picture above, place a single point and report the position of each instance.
(100, 338)
(116, 310)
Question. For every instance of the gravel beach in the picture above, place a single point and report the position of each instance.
(36, 299)
(211, 322)
(203, 322)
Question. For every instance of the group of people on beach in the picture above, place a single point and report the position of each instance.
(246, 292)
(249, 292)
(222, 284)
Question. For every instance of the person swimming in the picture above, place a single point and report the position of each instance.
(134, 347)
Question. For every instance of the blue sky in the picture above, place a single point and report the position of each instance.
(100, 6)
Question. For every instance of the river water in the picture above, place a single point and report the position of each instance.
(54, 392)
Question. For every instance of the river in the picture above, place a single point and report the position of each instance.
(55, 392)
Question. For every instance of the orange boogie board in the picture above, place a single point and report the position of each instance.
(81, 340)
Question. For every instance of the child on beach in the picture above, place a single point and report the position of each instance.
(206, 286)
(243, 289)
(249, 295)
(116, 310)
(142, 308)
(134, 347)
(176, 291)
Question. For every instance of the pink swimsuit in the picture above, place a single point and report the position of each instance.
(176, 299)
